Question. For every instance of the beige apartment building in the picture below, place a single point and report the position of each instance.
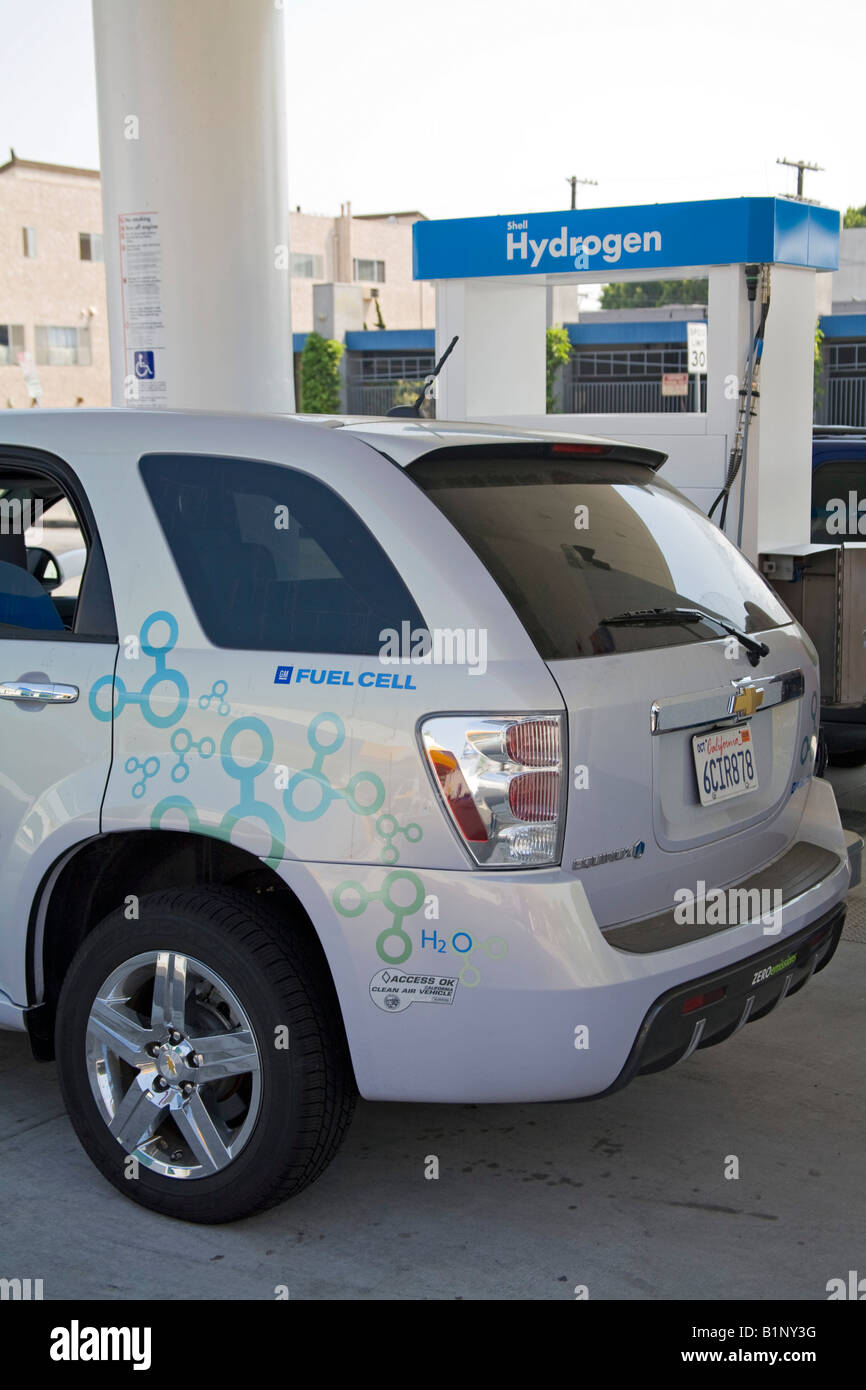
(52, 285)
(373, 252)
(52, 281)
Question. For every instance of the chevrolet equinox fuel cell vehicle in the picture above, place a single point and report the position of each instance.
(428, 761)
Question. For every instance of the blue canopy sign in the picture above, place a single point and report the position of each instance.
(724, 231)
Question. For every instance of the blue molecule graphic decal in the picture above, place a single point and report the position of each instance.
(163, 674)
(322, 748)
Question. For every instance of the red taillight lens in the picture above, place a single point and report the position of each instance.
(458, 795)
(533, 743)
(700, 1001)
(534, 796)
(500, 778)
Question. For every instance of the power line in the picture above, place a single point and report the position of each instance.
(800, 165)
(574, 181)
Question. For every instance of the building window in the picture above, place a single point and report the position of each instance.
(370, 270)
(847, 358)
(63, 347)
(28, 242)
(638, 364)
(306, 266)
(11, 343)
(391, 366)
(90, 246)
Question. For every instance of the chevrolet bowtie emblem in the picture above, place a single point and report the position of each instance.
(747, 701)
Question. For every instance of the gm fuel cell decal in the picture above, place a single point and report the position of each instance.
(393, 991)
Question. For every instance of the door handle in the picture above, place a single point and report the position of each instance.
(39, 694)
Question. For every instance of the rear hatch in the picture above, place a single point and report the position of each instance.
(610, 570)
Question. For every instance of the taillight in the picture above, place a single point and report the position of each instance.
(534, 795)
(457, 796)
(700, 1001)
(501, 782)
(534, 743)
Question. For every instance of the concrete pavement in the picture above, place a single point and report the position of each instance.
(627, 1196)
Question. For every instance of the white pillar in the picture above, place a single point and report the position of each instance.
(193, 147)
(498, 367)
(779, 498)
(779, 455)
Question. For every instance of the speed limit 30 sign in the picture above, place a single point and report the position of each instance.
(697, 348)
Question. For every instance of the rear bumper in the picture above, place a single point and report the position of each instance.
(712, 1008)
(542, 1007)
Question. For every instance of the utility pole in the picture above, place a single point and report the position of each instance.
(800, 165)
(574, 181)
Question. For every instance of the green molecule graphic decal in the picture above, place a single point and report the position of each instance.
(387, 827)
(399, 911)
(351, 899)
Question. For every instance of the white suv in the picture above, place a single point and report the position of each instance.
(436, 762)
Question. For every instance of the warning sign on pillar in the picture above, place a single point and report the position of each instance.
(144, 341)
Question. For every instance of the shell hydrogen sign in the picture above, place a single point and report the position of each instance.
(577, 248)
(723, 231)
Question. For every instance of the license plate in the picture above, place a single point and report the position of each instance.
(725, 764)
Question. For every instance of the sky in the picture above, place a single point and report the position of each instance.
(470, 107)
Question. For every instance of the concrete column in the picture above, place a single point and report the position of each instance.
(779, 495)
(727, 334)
(498, 367)
(779, 458)
(193, 146)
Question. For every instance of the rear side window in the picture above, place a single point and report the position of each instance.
(272, 558)
(573, 541)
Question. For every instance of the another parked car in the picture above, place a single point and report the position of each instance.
(829, 591)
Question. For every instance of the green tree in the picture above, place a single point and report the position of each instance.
(855, 217)
(651, 294)
(818, 370)
(558, 353)
(320, 375)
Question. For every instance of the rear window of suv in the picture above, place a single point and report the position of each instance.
(273, 559)
(572, 541)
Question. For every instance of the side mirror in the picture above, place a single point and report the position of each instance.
(43, 566)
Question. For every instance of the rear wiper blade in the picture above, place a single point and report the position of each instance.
(635, 617)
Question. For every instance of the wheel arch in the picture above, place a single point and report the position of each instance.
(105, 872)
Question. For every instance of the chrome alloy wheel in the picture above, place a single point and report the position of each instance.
(173, 1064)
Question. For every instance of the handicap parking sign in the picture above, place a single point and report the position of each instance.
(144, 368)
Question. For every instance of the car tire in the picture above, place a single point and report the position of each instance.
(854, 758)
(202, 1055)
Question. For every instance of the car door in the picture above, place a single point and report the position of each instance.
(57, 637)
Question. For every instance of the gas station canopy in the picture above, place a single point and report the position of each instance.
(608, 241)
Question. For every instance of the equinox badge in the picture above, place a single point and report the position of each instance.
(610, 856)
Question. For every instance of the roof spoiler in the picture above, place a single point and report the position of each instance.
(592, 450)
